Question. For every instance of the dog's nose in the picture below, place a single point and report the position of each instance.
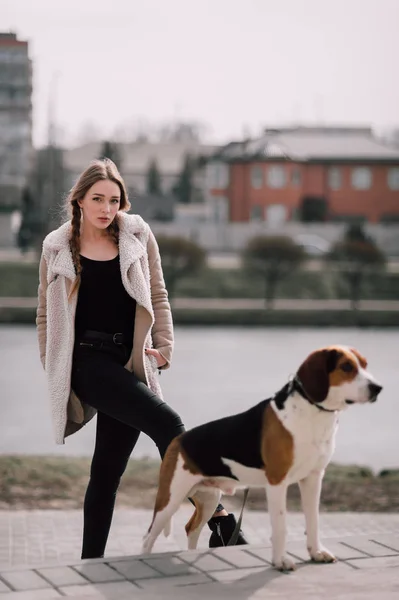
(374, 390)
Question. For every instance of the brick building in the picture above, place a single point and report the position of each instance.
(350, 173)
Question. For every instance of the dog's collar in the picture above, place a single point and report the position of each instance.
(296, 385)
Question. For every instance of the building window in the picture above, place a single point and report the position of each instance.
(276, 177)
(296, 177)
(217, 175)
(393, 178)
(361, 178)
(256, 213)
(334, 178)
(257, 177)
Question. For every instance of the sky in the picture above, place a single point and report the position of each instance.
(234, 65)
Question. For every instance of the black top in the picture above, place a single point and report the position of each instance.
(103, 303)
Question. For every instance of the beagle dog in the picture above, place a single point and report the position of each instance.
(286, 439)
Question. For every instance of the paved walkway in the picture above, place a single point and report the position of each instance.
(39, 553)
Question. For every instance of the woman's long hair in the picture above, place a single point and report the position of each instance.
(98, 170)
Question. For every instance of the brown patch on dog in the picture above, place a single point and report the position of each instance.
(360, 358)
(345, 370)
(196, 517)
(189, 464)
(314, 372)
(166, 472)
(277, 447)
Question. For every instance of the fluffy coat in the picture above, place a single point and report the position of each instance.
(142, 278)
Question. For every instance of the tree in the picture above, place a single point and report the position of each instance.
(273, 258)
(28, 227)
(154, 179)
(180, 257)
(48, 184)
(357, 256)
(184, 186)
(313, 209)
(112, 151)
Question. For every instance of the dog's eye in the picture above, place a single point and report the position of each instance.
(347, 367)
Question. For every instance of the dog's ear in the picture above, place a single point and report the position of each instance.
(314, 372)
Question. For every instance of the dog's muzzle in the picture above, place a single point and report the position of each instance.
(374, 390)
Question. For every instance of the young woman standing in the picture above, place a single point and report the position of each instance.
(105, 329)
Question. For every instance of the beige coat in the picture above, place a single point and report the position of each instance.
(142, 278)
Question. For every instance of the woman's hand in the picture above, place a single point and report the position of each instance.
(161, 361)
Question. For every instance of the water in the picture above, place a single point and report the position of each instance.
(215, 372)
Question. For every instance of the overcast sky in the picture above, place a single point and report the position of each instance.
(237, 65)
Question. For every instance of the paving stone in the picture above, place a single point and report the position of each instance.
(262, 553)
(369, 546)
(379, 562)
(236, 574)
(238, 558)
(391, 541)
(339, 550)
(176, 581)
(99, 573)
(24, 580)
(60, 576)
(3, 587)
(111, 589)
(31, 595)
(135, 569)
(170, 566)
(205, 561)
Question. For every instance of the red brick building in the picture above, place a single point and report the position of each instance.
(346, 171)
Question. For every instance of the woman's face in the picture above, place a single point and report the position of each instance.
(100, 204)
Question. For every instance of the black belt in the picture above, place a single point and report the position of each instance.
(114, 338)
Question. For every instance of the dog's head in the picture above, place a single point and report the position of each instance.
(337, 376)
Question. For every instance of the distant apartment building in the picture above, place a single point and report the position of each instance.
(15, 119)
(354, 175)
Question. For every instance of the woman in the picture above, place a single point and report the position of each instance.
(105, 329)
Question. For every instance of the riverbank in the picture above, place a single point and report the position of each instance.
(49, 482)
(248, 312)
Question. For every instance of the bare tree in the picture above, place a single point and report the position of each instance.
(356, 256)
(180, 257)
(272, 258)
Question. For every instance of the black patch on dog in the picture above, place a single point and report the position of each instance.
(237, 437)
(281, 396)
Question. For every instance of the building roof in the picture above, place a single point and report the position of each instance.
(137, 156)
(313, 144)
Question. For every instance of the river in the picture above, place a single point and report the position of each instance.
(215, 372)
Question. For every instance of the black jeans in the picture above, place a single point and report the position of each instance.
(125, 407)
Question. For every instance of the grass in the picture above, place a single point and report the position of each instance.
(21, 280)
(50, 482)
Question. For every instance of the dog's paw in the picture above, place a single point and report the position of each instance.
(284, 564)
(322, 555)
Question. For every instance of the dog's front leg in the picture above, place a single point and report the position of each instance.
(310, 493)
(276, 502)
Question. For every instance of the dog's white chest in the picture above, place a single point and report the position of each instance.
(313, 433)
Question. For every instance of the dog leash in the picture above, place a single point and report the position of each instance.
(232, 541)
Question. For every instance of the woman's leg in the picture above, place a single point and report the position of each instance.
(114, 444)
(104, 383)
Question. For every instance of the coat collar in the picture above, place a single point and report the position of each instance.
(130, 246)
